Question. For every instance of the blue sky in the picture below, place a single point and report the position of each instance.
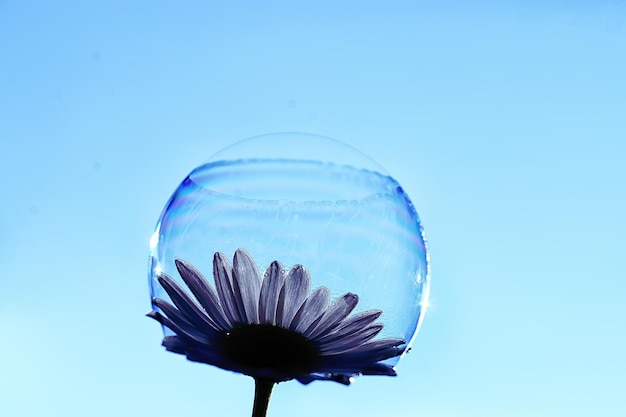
(503, 121)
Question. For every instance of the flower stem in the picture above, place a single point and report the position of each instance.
(262, 391)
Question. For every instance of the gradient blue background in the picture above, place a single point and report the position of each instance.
(504, 121)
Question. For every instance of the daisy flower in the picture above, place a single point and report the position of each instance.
(272, 328)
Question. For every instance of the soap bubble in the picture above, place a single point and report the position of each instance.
(302, 199)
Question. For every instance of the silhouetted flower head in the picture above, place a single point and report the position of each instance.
(272, 327)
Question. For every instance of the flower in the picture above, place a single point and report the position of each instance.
(272, 328)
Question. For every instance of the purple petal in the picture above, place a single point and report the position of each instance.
(369, 357)
(203, 291)
(208, 355)
(246, 285)
(200, 353)
(295, 290)
(273, 281)
(351, 325)
(369, 352)
(306, 379)
(312, 309)
(222, 273)
(337, 311)
(379, 344)
(170, 311)
(205, 335)
(345, 379)
(185, 304)
(378, 369)
(351, 341)
(187, 333)
(363, 369)
(174, 344)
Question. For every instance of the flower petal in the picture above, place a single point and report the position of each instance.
(222, 273)
(369, 352)
(207, 335)
(187, 333)
(185, 304)
(345, 379)
(351, 341)
(337, 311)
(199, 353)
(363, 369)
(295, 290)
(273, 281)
(203, 291)
(170, 311)
(246, 285)
(174, 344)
(350, 325)
(379, 344)
(379, 369)
(312, 309)
(205, 354)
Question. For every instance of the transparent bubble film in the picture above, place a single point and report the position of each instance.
(354, 229)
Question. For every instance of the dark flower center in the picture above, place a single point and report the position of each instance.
(268, 346)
